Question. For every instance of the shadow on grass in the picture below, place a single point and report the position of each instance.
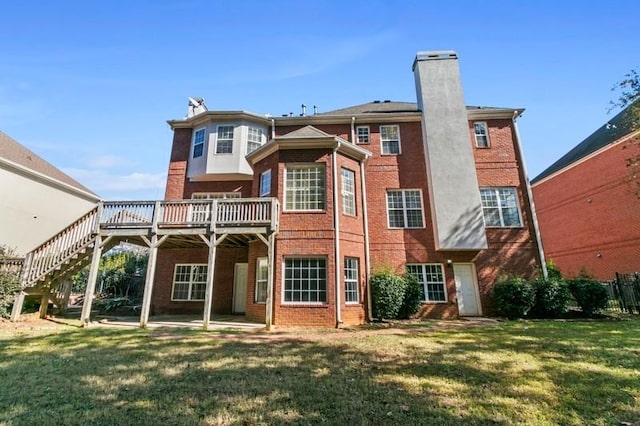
(507, 374)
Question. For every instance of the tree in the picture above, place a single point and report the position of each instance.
(628, 92)
(9, 281)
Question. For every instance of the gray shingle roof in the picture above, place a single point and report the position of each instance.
(381, 107)
(12, 151)
(611, 131)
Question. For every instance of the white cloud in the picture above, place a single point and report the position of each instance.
(108, 161)
(110, 186)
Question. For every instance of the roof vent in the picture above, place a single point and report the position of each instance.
(386, 101)
(376, 102)
(196, 106)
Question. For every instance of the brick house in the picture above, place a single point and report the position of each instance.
(432, 188)
(587, 204)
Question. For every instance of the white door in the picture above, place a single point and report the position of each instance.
(466, 289)
(240, 288)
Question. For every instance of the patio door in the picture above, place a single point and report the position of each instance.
(466, 289)
(240, 288)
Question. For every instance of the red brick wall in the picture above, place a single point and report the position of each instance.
(588, 215)
(177, 174)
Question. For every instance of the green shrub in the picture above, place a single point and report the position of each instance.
(590, 294)
(513, 297)
(387, 294)
(413, 297)
(551, 299)
(9, 284)
(553, 273)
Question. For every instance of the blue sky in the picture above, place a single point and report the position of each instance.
(89, 85)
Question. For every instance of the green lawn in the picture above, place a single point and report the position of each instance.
(538, 373)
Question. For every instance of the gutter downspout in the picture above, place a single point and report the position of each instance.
(353, 130)
(367, 256)
(336, 227)
(532, 206)
(273, 128)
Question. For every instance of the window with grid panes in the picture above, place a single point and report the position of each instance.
(189, 282)
(254, 139)
(363, 134)
(265, 183)
(224, 143)
(305, 187)
(348, 192)
(390, 139)
(351, 280)
(198, 143)
(481, 133)
(262, 273)
(404, 208)
(500, 207)
(305, 280)
(431, 276)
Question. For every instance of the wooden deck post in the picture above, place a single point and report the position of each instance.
(148, 282)
(269, 302)
(208, 295)
(17, 306)
(91, 281)
(44, 303)
(66, 293)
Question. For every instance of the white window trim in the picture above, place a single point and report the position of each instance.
(255, 296)
(518, 207)
(261, 142)
(486, 129)
(357, 281)
(233, 140)
(302, 303)
(193, 142)
(343, 192)
(382, 142)
(444, 282)
(173, 282)
(368, 135)
(265, 192)
(404, 210)
(284, 185)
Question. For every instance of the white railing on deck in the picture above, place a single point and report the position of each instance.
(60, 247)
(245, 212)
(122, 214)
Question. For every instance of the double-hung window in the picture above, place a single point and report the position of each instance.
(404, 208)
(305, 187)
(224, 143)
(198, 142)
(305, 280)
(390, 139)
(262, 273)
(481, 133)
(351, 280)
(500, 207)
(363, 134)
(265, 183)
(348, 192)
(431, 277)
(189, 282)
(254, 139)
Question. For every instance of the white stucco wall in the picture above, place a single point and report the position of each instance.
(32, 210)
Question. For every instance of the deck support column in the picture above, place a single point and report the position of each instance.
(208, 295)
(44, 303)
(91, 281)
(66, 293)
(148, 282)
(17, 306)
(269, 302)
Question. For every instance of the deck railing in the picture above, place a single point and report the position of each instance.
(238, 212)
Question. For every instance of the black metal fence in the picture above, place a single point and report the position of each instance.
(624, 293)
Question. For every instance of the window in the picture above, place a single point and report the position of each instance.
(265, 183)
(224, 145)
(431, 277)
(198, 143)
(189, 282)
(200, 212)
(390, 139)
(363, 134)
(262, 272)
(482, 134)
(348, 192)
(404, 208)
(305, 280)
(254, 139)
(500, 207)
(305, 187)
(351, 280)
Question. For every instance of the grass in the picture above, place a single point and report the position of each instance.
(543, 372)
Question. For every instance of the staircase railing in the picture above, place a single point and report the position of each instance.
(59, 248)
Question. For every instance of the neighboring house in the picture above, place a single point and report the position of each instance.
(588, 206)
(432, 188)
(37, 200)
